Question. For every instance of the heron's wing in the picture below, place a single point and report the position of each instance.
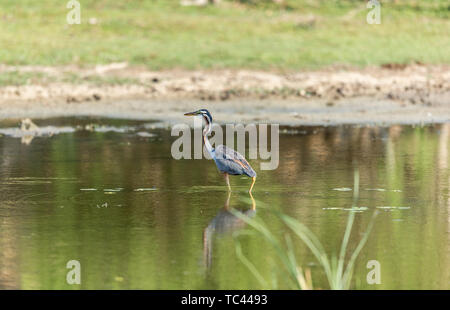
(230, 161)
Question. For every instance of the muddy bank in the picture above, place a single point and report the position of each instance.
(360, 110)
(383, 95)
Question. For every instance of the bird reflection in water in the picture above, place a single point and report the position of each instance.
(223, 223)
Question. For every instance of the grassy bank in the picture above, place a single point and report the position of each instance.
(235, 34)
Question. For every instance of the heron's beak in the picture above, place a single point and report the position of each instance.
(191, 113)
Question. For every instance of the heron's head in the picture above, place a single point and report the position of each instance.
(203, 112)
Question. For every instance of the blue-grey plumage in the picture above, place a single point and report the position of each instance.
(227, 160)
(231, 162)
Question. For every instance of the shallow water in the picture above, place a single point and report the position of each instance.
(113, 198)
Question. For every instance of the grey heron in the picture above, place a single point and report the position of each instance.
(228, 161)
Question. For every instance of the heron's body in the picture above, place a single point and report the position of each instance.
(227, 160)
(231, 162)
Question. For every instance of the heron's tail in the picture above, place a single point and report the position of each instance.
(250, 172)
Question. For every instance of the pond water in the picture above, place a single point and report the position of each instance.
(112, 197)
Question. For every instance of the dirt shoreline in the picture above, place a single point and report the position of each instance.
(392, 94)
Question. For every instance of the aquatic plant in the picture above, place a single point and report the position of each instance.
(338, 272)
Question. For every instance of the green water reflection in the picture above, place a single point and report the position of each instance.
(80, 196)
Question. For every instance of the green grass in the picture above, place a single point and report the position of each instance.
(98, 80)
(236, 34)
(17, 78)
(338, 268)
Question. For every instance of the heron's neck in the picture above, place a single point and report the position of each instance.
(208, 145)
(206, 132)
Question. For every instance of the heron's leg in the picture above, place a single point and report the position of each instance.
(227, 179)
(253, 201)
(253, 183)
(227, 203)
